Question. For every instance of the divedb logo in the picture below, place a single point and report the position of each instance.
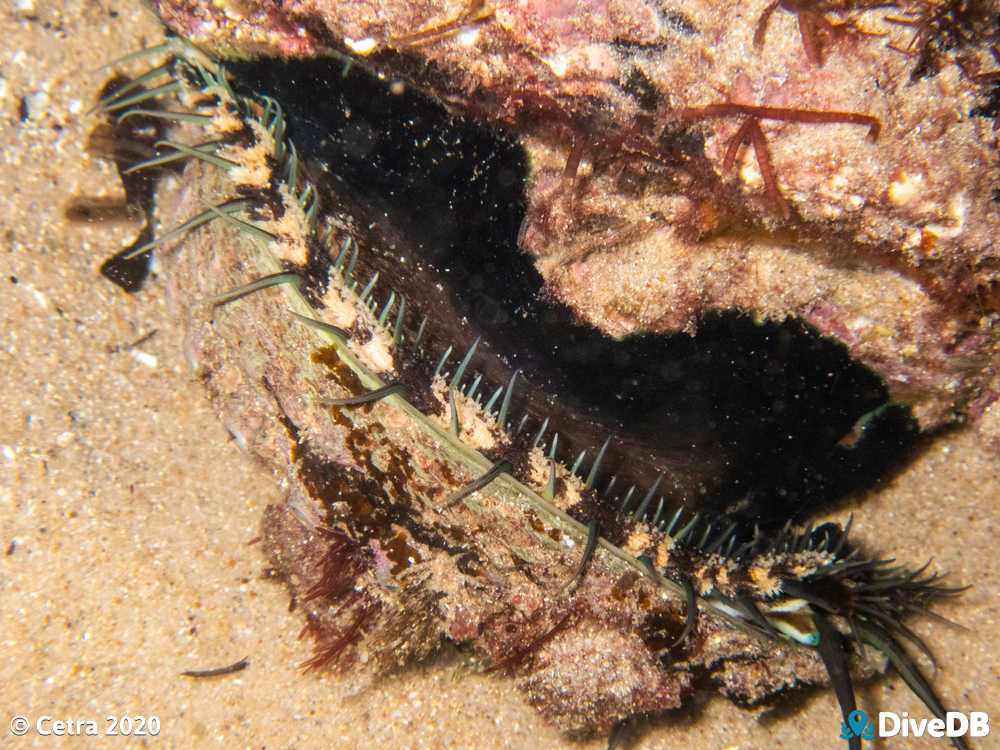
(954, 724)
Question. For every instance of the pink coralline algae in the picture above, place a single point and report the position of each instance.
(832, 161)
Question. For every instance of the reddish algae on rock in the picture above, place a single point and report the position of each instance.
(836, 163)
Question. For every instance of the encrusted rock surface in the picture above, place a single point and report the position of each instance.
(886, 243)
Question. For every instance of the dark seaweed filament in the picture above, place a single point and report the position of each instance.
(217, 671)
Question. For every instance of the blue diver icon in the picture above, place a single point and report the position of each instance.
(857, 725)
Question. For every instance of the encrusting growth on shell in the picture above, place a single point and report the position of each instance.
(634, 215)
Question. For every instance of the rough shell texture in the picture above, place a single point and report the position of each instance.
(635, 219)
(383, 572)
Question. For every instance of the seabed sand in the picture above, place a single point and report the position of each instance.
(126, 511)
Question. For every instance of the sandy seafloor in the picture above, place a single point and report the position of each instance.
(126, 510)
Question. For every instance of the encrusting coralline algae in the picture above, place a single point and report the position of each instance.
(653, 198)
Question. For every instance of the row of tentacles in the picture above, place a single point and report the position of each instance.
(769, 583)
